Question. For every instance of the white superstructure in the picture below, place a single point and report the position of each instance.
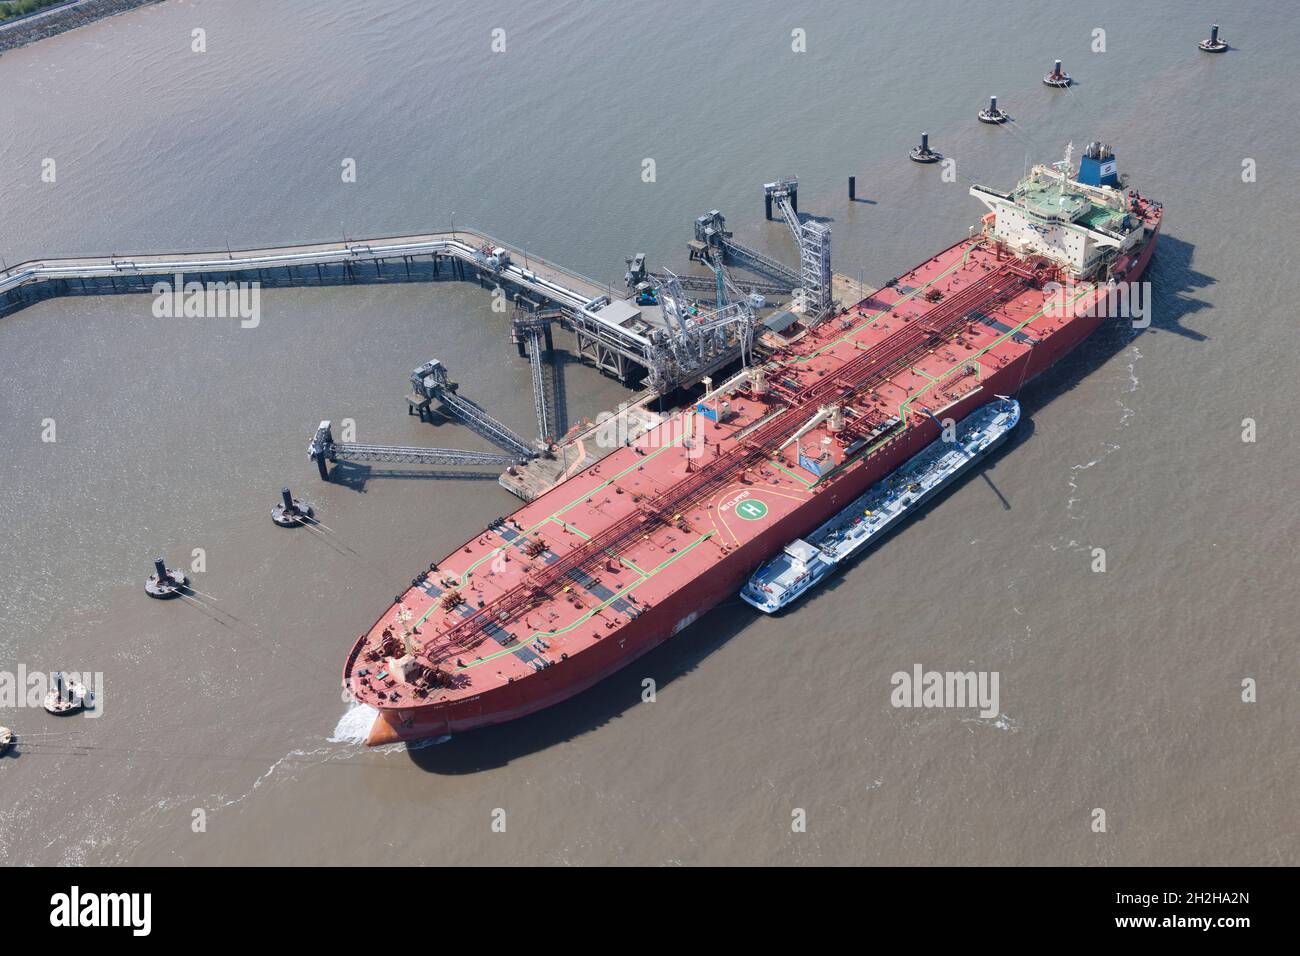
(1079, 225)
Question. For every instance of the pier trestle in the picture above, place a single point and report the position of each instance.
(323, 449)
(430, 382)
(529, 330)
(615, 334)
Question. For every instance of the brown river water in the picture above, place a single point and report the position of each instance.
(223, 736)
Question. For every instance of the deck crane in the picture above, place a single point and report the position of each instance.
(833, 413)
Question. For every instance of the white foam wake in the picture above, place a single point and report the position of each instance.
(354, 726)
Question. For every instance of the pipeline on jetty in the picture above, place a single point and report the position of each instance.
(618, 336)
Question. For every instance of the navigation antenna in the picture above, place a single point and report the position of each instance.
(1064, 164)
(1063, 167)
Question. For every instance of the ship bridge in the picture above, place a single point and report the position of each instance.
(1075, 224)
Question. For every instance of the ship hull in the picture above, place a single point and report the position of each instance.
(668, 617)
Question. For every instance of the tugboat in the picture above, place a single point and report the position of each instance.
(67, 697)
(805, 562)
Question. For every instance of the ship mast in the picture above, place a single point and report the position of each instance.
(403, 617)
(1063, 167)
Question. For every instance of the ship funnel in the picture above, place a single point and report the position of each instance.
(1097, 166)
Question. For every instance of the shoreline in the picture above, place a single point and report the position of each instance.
(41, 24)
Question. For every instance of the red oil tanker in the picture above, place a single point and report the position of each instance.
(622, 556)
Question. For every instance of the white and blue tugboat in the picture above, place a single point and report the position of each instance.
(806, 562)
